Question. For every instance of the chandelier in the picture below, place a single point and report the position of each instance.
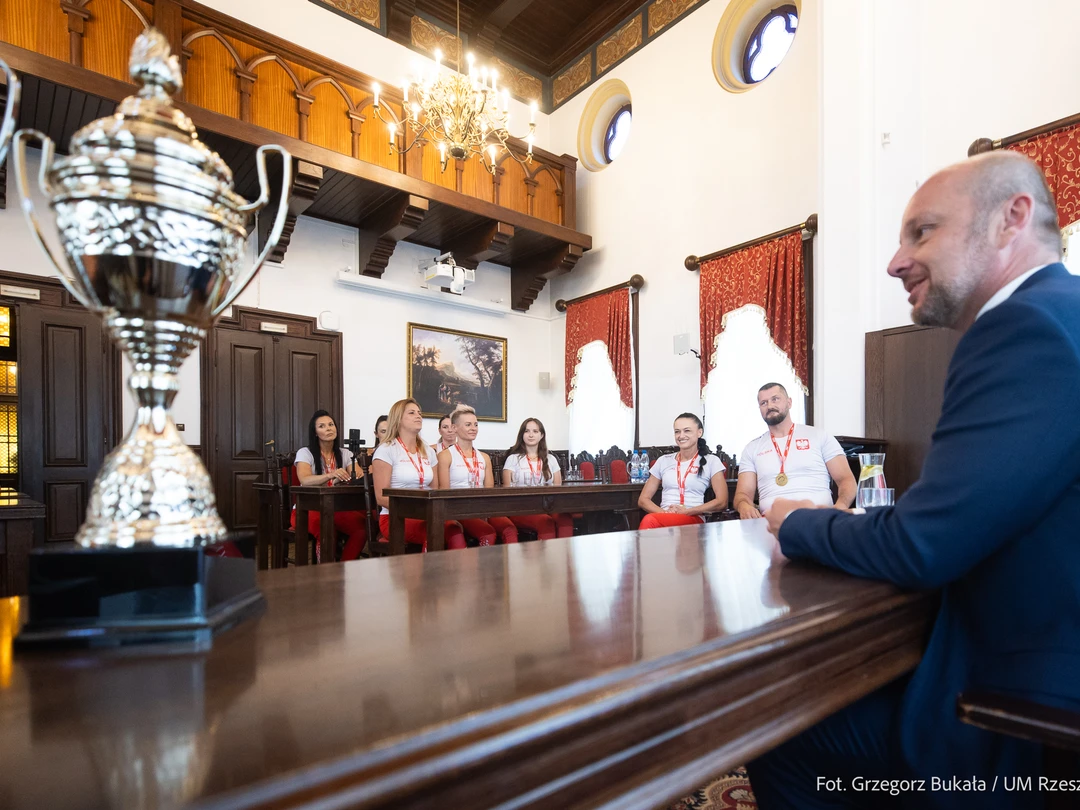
(461, 115)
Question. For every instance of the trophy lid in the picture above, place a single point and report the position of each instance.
(149, 139)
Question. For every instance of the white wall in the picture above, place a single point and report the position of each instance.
(702, 169)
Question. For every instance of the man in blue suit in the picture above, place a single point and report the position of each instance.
(994, 520)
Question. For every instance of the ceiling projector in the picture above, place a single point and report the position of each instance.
(442, 271)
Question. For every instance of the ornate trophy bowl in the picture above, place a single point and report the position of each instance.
(154, 238)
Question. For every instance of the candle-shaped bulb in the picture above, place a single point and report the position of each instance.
(438, 57)
(529, 140)
(393, 131)
(376, 90)
(442, 152)
(484, 75)
(491, 153)
(494, 77)
(470, 58)
(405, 91)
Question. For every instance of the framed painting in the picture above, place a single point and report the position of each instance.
(448, 367)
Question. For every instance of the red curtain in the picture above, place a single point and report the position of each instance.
(769, 275)
(1058, 153)
(606, 318)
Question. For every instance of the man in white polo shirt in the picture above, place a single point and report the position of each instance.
(790, 461)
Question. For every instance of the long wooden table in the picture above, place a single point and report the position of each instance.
(623, 669)
(436, 506)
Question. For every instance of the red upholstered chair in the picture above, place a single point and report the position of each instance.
(617, 472)
(588, 471)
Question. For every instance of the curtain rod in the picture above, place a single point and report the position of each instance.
(636, 282)
(988, 145)
(694, 262)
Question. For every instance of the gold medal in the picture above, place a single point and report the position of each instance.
(781, 480)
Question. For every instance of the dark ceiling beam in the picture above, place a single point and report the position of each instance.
(528, 278)
(399, 14)
(307, 178)
(392, 222)
(482, 243)
(488, 31)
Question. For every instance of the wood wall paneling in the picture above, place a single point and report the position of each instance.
(35, 25)
(273, 99)
(477, 181)
(210, 80)
(512, 190)
(547, 197)
(64, 377)
(65, 508)
(329, 123)
(905, 386)
(433, 171)
(111, 30)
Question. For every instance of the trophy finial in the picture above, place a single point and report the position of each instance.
(153, 65)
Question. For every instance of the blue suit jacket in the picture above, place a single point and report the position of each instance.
(994, 520)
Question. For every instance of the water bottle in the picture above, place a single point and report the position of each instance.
(635, 467)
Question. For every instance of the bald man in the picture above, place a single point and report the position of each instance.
(993, 520)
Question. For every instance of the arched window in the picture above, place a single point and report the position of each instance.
(617, 133)
(769, 43)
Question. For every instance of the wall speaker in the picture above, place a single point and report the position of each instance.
(545, 380)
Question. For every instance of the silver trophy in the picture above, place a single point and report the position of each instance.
(155, 241)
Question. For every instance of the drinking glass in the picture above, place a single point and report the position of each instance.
(873, 498)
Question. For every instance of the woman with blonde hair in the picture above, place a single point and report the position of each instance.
(403, 461)
(530, 464)
(462, 466)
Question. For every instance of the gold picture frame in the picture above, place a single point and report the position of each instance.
(448, 366)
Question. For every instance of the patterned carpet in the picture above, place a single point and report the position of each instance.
(730, 792)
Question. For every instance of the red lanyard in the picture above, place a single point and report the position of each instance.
(474, 469)
(783, 458)
(681, 479)
(419, 467)
(535, 473)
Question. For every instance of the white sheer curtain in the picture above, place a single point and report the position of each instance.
(746, 359)
(598, 419)
(1072, 260)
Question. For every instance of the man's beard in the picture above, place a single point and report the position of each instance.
(775, 419)
(945, 301)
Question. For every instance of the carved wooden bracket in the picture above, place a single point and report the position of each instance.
(484, 242)
(529, 278)
(356, 121)
(76, 20)
(391, 223)
(307, 178)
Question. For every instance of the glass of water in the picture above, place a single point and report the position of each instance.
(873, 498)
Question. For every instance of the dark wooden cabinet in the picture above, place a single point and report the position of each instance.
(905, 386)
(260, 386)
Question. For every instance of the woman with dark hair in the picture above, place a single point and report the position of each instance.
(529, 464)
(447, 434)
(685, 476)
(462, 466)
(325, 462)
(403, 461)
(380, 430)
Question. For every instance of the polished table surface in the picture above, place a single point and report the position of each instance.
(624, 667)
(436, 506)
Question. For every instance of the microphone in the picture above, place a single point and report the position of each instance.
(354, 444)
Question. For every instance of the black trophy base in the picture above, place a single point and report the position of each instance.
(100, 598)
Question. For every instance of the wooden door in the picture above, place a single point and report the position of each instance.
(905, 387)
(262, 386)
(66, 381)
(304, 372)
(243, 421)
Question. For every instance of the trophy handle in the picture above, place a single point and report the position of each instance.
(22, 137)
(241, 283)
(12, 109)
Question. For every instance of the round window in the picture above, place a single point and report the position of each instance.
(617, 133)
(769, 43)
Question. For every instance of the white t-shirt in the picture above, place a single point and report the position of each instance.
(808, 477)
(304, 455)
(405, 467)
(466, 473)
(670, 469)
(526, 476)
(439, 446)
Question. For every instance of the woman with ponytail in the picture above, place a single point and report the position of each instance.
(685, 476)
